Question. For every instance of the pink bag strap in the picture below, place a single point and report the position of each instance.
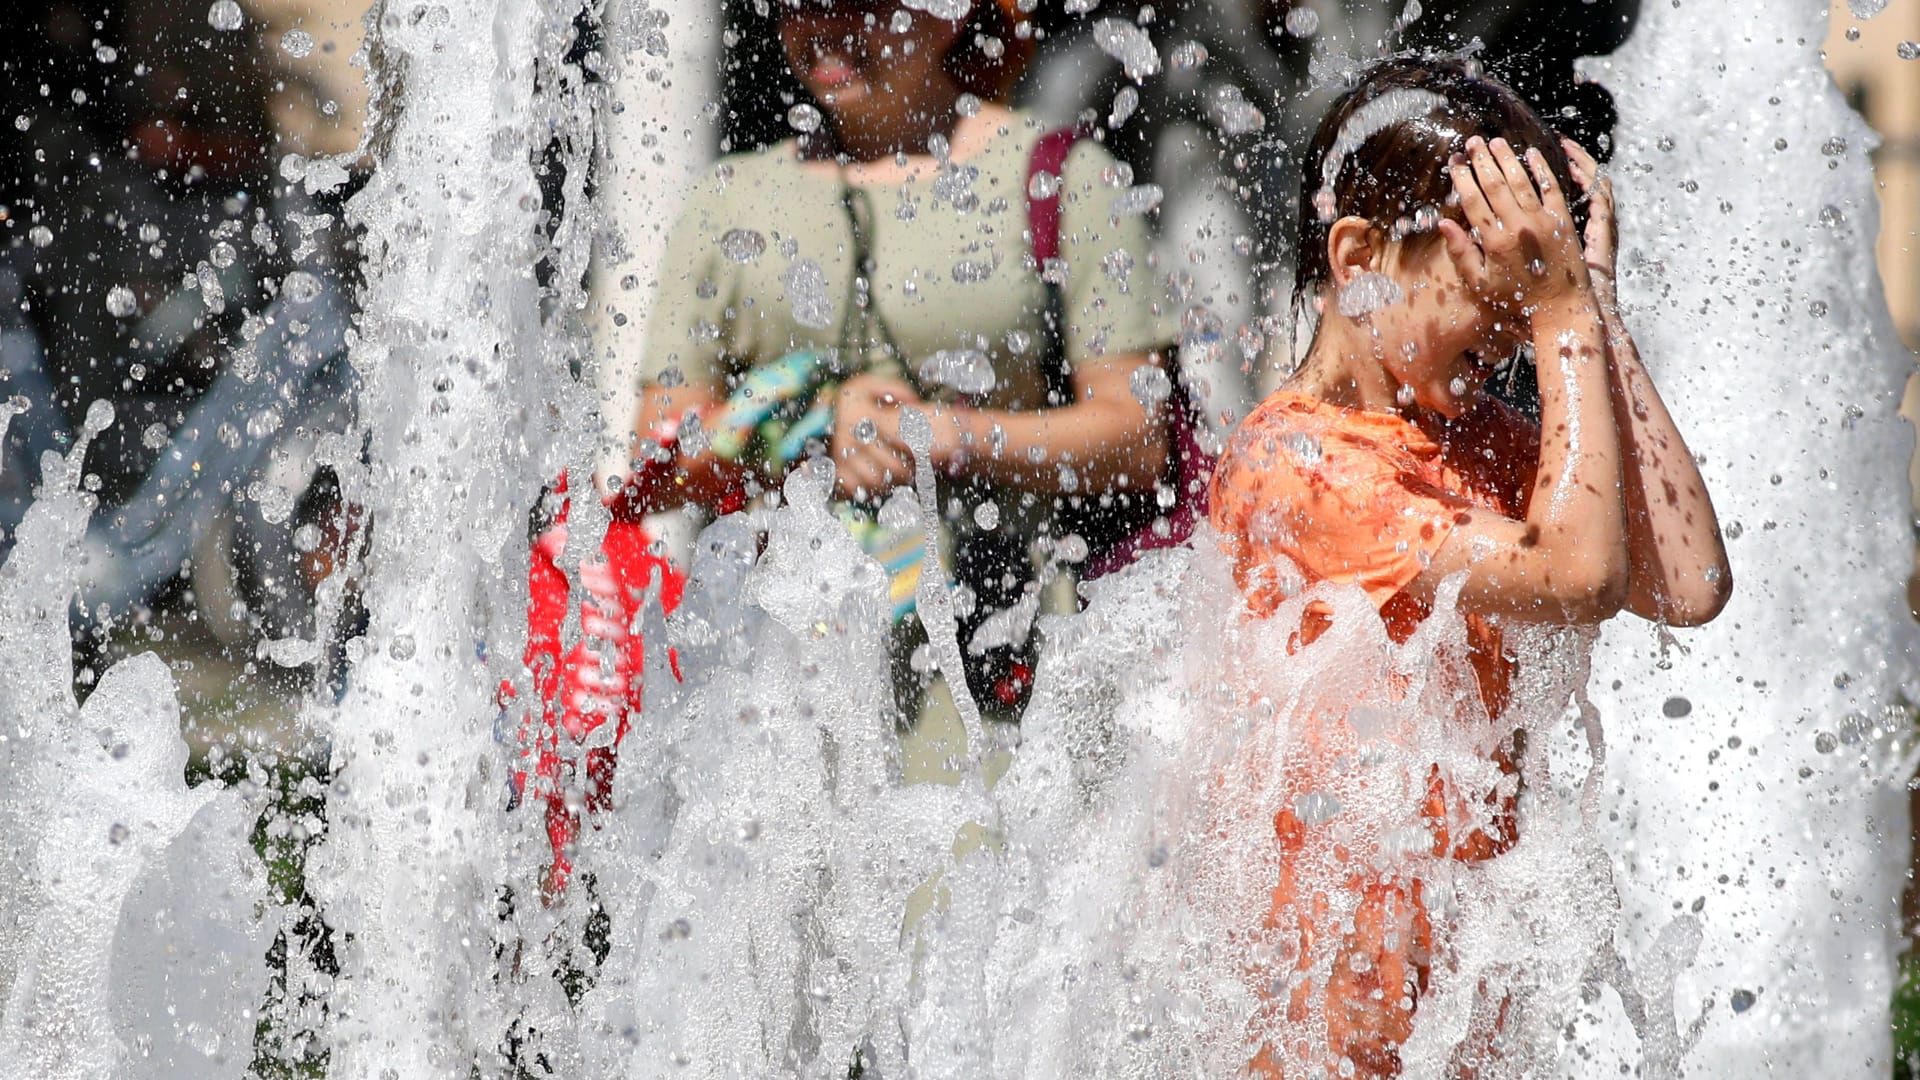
(1043, 211)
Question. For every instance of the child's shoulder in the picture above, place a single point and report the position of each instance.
(1310, 427)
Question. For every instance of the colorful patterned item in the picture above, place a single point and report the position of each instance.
(777, 410)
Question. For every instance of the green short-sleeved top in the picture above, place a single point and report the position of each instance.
(761, 263)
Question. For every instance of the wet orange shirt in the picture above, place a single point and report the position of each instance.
(1366, 498)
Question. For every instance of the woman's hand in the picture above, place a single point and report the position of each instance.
(1522, 252)
(870, 457)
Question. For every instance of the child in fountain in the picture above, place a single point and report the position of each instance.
(1444, 228)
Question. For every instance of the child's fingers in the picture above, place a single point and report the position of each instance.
(1600, 205)
(1465, 253)
(1552, 199)
(1584, 167)
(1493, 184)
(1473, 200)
(1524, 193)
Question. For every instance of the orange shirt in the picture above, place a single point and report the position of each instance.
(1366, 498)
(1362, 498)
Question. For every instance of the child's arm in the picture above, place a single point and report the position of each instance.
(1567, 561)
(1679, 573)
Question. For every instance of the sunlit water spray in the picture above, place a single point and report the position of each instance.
(763, 853)
(1755, 774)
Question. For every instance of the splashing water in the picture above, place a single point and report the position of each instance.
(1786, 384)
(131, 945)
(758, 866)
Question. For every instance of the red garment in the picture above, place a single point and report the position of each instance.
(597, 681)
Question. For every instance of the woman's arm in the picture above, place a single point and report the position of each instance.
(1567, 562)
(1679, 573)
(668, 473)
(1105, 440)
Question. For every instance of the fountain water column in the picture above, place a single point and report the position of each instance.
(466, 410)
(1752, 776)
(664, 63)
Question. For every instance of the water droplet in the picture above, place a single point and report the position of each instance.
(987, 514)
(1832, 216)
(865, 430)
(901, 22)
(296, 43)
(99, 416)
(222, 254)
(1303, 446)
(677, 930)
(966, 370)
(1303, 21)
(292, 652)
(1317, 807)
(1136, 201)
(1733, 530)
(806, 285)
(1741, 1000)
(1457, 387)
(1150, 385)
(966, 105)
(121, 302)
(117, 834)
(1853, 33)
(1908, 50)
(402, 647)
(1124, 104)
(1130, 45)
(1825, 742)
(972, 271)
(1233, 113)
(1043, 185)
(41, 236)
(1676, 707)
(300, 287)
(742, 245)
(1071, 548)
(154, 437)
(1368, 292)
(263, 423)
(1780, 144)
(803, 118)
(1834, 147)
(1188, 56)
(1817, 308)
(106, 54)
(211, 292)
(226, 15)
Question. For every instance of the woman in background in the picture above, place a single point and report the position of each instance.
(890, 257)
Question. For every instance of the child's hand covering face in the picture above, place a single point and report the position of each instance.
(1523, 252)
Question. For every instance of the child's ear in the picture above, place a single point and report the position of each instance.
(1352, 249)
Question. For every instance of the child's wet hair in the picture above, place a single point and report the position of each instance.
(1381, 153)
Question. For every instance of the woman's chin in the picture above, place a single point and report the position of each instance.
(840, 95)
